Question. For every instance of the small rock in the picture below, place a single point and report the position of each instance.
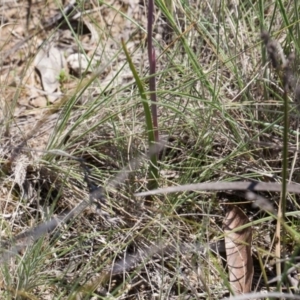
(78, 63)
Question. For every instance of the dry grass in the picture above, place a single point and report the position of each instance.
(220, 106)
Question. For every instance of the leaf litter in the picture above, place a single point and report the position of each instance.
(50, 85)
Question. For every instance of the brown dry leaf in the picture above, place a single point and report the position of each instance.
(238, 251)
(49, 63)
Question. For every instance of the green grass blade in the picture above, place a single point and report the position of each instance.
(149, 125)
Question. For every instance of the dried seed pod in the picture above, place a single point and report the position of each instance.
(297, 96)
(288, 77)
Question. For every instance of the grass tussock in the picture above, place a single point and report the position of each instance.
(75, 124)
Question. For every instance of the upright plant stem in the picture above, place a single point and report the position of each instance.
(152, 184)
(282, 208)
(152, 64)
(285, 154)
